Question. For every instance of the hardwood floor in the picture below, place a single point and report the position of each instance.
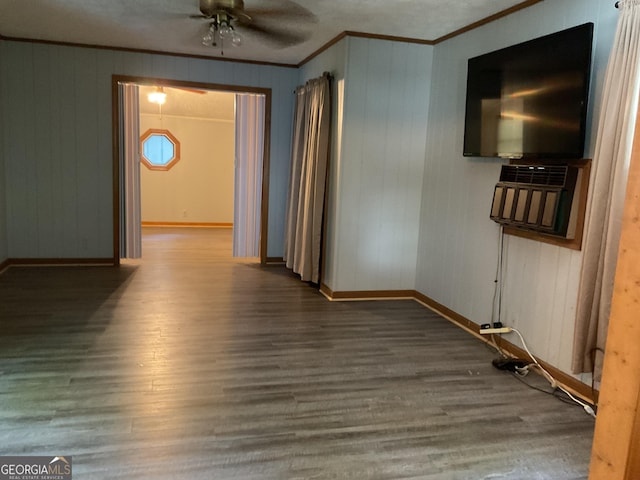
(192, 365)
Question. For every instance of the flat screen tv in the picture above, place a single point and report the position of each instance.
(530, 100)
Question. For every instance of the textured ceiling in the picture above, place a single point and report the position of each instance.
(164, 25)
(190, 103)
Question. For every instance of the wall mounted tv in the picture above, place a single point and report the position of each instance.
(530, 100)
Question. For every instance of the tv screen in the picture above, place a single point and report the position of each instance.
(530, 100)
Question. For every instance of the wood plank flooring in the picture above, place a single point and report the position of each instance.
(192, 365)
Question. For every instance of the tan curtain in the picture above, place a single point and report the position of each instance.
(248, 174)
(130, 216)
(309, 160)
(608, 186)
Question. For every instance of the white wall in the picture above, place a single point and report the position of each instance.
(377, 181)
(3, 189)
(57, 150)
(199, 187)
(458, 247)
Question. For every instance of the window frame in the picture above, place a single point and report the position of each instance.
(169, 136)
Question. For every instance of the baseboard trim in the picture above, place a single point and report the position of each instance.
(62, 262)
(188, 224)
(572, 384)
(4, 265)
(277, 260)
(363, 295)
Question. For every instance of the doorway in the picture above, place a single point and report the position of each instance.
(180, 215)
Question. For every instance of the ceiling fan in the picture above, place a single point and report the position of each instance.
(279, 25)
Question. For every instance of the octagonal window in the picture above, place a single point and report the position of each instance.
(160, 149)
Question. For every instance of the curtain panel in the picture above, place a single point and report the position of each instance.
(249, 143)
(130, 211)
(307, 183)
(608, 186)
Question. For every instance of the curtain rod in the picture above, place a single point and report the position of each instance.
(329, 75)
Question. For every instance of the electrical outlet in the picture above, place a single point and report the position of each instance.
(491, 331)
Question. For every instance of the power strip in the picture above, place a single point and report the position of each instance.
(491, 331)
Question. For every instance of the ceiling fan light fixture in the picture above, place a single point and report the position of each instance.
(209, 37)
(225, 30)
(157, 96)
(221, 29)
(236, 39)
(225, 16)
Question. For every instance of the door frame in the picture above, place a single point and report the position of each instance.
(164, 82)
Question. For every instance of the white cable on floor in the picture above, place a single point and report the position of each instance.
(554, 383)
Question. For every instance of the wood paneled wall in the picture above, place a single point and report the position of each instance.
(57, 140)
(458, 248)
(377, 173)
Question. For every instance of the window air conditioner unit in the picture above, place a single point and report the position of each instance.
(535, 197)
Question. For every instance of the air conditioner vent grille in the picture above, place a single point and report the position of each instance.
(534, 174)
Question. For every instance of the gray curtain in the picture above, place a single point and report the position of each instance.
(130, 217)
(307, 183)
(606, 198)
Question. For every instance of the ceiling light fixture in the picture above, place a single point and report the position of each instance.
(157, 96)
(221, 29)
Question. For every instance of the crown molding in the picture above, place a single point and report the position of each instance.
(326, 46)
(147, 51)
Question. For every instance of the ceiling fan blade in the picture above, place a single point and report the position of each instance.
(191, 90)
(285, 8)
(277, 36)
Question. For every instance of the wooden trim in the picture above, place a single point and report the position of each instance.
(274, 260)
(371, 294)
(266, 162)
(572, 384)
(616, 443)
(176, 152)
(450, 315)
(326, 46)
(582, 206)
(486, 20)
(455, 33)
(541, 237)
(347, 33)
(148, 51)
(188, 224)
(326, 291)
(571, 243)
(6, 263)
(115, 168)
(116, 79)
(391, 38)
(171, 83)
(17, 262)
(632, 470)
